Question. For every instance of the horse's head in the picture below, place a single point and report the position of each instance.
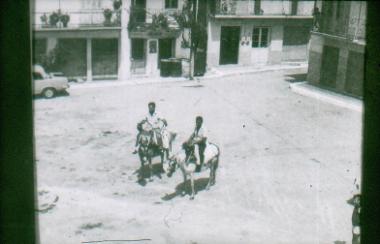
(188, 147)
(145, 141)
(169, 166)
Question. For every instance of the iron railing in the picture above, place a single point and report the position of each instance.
(354, 31)
(77, 19)
(142, 19)
(265, 7)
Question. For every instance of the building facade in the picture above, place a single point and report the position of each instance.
(120, 39)
(251, 32)
(337, 45)
(102, 39)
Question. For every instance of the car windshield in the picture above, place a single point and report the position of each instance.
(41, 72)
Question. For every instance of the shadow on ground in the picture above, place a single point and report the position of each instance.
(58, 94)
(292, 78)
(144, 172)
(193, 86)
(199, 185)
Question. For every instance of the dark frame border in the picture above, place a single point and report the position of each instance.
(17, 206)
(17, 210)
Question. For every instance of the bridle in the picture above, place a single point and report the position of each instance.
(145, 141)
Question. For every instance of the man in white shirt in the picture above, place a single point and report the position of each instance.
(156, 122)
(199, 138)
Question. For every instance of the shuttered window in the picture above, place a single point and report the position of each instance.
(260, 37)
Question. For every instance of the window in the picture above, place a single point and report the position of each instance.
(260, 37)
(257, 7)
(171, 3)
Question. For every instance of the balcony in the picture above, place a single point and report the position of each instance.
(263, 9)
(354, 31)
(84, 19)
(157, 23)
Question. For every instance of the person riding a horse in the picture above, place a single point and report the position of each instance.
(197, 139)
(153, 124)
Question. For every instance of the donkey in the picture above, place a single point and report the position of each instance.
(183, 160)
(148, 149)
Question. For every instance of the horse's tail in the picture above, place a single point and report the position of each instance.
(217, 155)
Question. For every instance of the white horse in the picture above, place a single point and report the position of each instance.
(211, 161)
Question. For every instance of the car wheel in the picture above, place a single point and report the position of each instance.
(48, 93)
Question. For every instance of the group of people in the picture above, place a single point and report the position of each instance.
(155, 124)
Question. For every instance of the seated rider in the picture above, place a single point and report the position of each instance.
(155, 122)
(198, 138)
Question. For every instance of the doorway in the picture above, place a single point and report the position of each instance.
(329, 69)
(165, 49)
(229, 44)
(138, 55)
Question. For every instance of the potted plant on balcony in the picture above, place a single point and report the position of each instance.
(64, 18)
(159, 24)
(116, 4)
(54, 19)
(107, 16)
(44, 20)
(117, 10)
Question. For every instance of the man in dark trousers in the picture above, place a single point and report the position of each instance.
(199, 138)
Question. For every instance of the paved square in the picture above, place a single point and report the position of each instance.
(288, 164)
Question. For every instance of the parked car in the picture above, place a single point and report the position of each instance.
(48, 85)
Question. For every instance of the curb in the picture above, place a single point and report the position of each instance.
(290, 67)
(151, 81)
(305, 89)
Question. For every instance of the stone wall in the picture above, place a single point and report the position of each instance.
(350, 67)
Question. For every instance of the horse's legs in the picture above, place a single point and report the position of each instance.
(192, 186)
(164, 156)
(184, 184)
(140, 175)
(214, 174)
(210, 177)
(150, 168)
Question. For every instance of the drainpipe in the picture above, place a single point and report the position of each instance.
(192, 52)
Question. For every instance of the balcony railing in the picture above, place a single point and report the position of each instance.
(142, 21)
(145, 15)
(355, 31)
(265, 7)
(77, 19)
